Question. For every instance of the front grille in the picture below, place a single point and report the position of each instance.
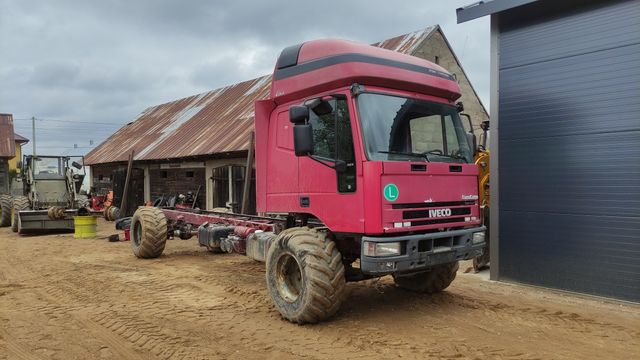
(419, 214)
(433, 204)
(437, 221)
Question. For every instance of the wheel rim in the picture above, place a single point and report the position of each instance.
(289, 277)
(137, 233)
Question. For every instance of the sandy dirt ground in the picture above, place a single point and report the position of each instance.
(65, 298)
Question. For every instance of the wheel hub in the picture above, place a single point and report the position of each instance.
(289, 277)
(137, 233)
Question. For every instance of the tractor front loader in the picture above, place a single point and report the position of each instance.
(49, 200)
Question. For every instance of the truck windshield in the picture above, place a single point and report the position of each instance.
(402, 129)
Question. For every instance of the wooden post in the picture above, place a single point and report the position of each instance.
(125, 192)
(246, 191)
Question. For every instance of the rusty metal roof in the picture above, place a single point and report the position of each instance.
(218, 121)
(19, 138)
(7, 142)
(214, 122)
(407, 43)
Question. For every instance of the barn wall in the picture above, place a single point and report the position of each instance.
(169, 182)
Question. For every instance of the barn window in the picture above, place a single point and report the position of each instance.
(163, 174)
(189, 174)
(436, 60)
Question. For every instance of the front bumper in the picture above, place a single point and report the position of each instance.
(422, 251)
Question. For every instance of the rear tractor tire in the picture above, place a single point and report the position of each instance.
(148, 232)
(19, 203)
(305, 275)
(429, 282)
(6, 204)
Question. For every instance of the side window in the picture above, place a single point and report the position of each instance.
(324, 133)
(344, 148)
(333, 140)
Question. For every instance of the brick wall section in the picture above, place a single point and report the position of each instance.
(102, 175)
(177, 181)
(437, 46)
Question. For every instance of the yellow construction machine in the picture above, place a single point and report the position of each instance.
(484, 195)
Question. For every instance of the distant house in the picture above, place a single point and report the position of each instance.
(19, 141)
(201, 141)
(7, 150)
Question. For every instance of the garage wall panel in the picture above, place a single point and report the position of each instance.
(569, 142)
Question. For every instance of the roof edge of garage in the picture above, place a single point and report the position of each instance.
(483, 8)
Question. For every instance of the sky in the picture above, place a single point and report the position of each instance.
(85, 68)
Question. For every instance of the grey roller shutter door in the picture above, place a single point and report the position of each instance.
(569, 145)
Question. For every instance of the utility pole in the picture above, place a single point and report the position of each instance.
(33, 134)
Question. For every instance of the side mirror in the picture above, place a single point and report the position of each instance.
(460, 107)
(303, 139)
(76, 165)
(320, 106)
(471, 139)
(340, 166)
(19, 165)
(298, 114)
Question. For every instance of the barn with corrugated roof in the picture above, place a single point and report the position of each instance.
(200, 143)
(7, 150)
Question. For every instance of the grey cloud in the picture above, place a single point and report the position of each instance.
(106, 61)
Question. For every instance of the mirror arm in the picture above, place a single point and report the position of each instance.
(314, 158)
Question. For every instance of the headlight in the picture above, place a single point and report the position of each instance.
(478, 237)
(381, 249)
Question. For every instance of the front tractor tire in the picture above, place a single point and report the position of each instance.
(148, 232)
(429, 282)
(6, 204)
(305, 275)
(19, 203)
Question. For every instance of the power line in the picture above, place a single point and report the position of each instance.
(72, 121)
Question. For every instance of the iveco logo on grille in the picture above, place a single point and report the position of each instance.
(440, 213)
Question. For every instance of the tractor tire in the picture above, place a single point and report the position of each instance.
(305, 275)
(148, 232)
(483, 261)
(19, 203)
(6, 203)
(430, 282)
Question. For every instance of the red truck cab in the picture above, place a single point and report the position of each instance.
(363, 169)
(368, 142)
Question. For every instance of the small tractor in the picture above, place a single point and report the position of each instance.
(49, 194)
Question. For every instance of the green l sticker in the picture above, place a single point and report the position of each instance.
(390, 192)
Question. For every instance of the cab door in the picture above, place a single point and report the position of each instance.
(328, 180)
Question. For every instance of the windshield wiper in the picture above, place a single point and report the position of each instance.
(422, 156)
(439, 152)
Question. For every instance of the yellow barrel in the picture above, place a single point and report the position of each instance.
(85, 226)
